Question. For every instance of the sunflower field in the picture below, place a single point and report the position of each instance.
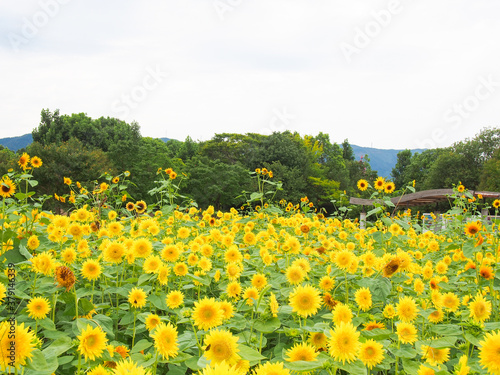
(114, 286)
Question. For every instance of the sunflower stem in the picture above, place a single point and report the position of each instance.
(133, 332)
(76, 306)
(196, 336)
(54, 308)
(79, 363)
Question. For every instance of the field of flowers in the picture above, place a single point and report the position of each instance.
(116, 287)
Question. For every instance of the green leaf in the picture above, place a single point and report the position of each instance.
(158, 301)
(406, 351)
(357, 367)
(143, 278)
(381, 288)
(444, 342)
(249, 354)
(267, 326)
(472, 339)
(468, 248)
(192, 363)
(141, 345)
(410, 366)
(58, 347)
(303, 365)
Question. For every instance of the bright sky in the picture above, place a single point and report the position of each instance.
(386, 74)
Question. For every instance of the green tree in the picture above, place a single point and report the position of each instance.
(399, 171)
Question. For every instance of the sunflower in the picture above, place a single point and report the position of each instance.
(68, 255)
(472, 228)
(93, 341)
(389, 311)
(301, 352)
(127, 367)
(326, 283)
(163, 273)
(389, 187)
(318, 340)
(33, 242)
(140, 207)
(152, 264)
(486, 272)
(379, 183)
(362, 185)
(460, 188)
(137, 297)
(273, 305)
(295, 275)
(130, 206)
(480, 309)
(36, 162)
(65, 277)
(373, 325)
(142, 248)
(451, 301)
(174, 299)
(329, 301)
(496, 203)
(363, 298)
(392, 267)
(224, 369)
(424, 370)
(344, 259)
(407, 333)
(91, 269)
(152, 320)
(233, 255)
(23, 161)
(171, 253)
(436, 316)
(407, 309)
(122, 350)
(221, 345)
(251, 294)
(7, 187)
(17, 336)
(305, 300)
(259, 281)
(207, 314)
(341, 314)
(489, 352)
(233, 289)
(268, 368)
(38, 307)
(435, 356)
(115, 180)
(343, 344)
(165, 338)
(180, 269)
(371, 353)
(99, 370)
(67, 181)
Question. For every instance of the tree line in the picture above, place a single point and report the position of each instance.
(217, 171)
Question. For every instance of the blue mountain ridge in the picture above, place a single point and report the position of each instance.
(381, 160)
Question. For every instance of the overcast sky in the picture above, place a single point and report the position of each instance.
(385, 74)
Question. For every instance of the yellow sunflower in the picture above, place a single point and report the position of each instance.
(165, 338)
(342, 314)
(268, 368)
(480, 309)
(389, 188)
(174, 299)
(301, 352)
(7, 187)
(407, 309)
(137, 297)
(93, 341)
(371, 353)
(152, 320)
(221, 345)
(305, 300)
(363, 298)
(38, 307)
(19, 337)
(472, 228)
(407, 333)
(23, 161)
(343, 345)
(489, 352)
(435, 356)
(91, 269)
(379, 183)
(362, 185)
(207, 314)
(36, 162)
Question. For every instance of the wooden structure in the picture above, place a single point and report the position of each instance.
(419, 198)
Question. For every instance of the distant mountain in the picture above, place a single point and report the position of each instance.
(381, 160)
(15, 143)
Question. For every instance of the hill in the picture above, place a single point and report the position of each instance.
(16, 143)
(381, 160)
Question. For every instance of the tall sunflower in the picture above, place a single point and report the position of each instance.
(91, 269)
(371, 353)
(472, 228)
(23, 341)
(480, 309)
(93, 341)
(301, 352)
(407, 309)
(344, 343)
(38, 307)
(379, 183)
(174, 299)
(363, 298)
(489, 352)
(137, 297)
(362, 185)
(268, 368)
(207, 314)
(23, 161)
(7, 187)
(305, 300)
(165, 337)
(221, 345)
(435, 356)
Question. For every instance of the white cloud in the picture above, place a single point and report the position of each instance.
(232, 74)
